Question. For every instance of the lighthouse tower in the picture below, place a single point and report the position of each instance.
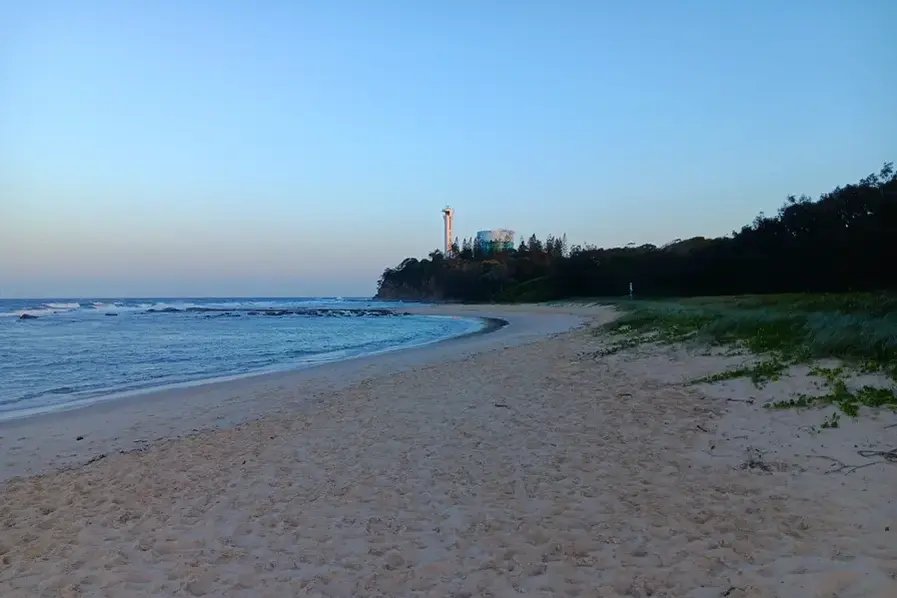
(448, 217)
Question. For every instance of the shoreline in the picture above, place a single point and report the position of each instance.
(65, 438)
(488, 325)
(523, 462)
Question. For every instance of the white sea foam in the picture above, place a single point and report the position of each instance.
(60, 306)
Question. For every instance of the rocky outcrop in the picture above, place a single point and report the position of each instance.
(323, 312)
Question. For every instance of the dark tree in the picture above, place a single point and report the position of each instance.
(534, 245)
(466, 250)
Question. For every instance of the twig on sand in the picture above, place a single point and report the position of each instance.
(701, 428)
(500, 405)
(889, 457)
(844, 467)
(99, 457)
(748, 401)
(891, 426)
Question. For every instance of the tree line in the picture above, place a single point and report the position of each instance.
(846, 240)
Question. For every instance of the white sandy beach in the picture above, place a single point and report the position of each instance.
(508, 464)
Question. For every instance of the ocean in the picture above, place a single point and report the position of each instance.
(63, 353)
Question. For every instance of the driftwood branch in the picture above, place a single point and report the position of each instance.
(846, 468)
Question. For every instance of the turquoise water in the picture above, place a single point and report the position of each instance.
(64, 353)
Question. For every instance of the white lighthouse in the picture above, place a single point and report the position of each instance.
(448, 217)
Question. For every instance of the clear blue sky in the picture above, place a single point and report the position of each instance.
(297, 148)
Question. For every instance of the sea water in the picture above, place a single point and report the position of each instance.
(66, 352)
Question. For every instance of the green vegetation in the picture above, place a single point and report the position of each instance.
(859, 329)
(848, 402)
(760, 373)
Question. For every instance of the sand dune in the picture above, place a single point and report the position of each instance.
(531, 470)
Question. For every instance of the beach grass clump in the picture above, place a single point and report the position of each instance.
(858, 329)
(653, 322)
(868, 341)
(758, 331)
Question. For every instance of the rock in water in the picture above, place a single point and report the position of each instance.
(27, 317)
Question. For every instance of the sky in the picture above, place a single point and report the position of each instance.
(297, 148)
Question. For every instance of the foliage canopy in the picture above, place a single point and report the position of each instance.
(844, 241)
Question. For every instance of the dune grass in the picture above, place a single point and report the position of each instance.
(859, 329)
